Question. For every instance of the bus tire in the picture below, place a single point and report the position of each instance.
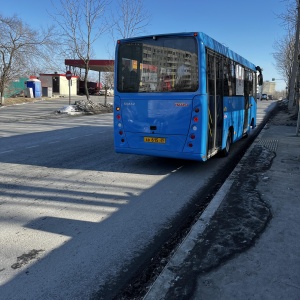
(226, 150)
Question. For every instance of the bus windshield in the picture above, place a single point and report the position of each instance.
(158, 64)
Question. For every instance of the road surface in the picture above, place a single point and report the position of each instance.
(77, 219)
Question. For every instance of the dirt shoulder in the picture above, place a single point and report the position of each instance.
(20, 100)
(283, 116)
(83, 106)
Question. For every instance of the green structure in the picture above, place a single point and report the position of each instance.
(16, 87)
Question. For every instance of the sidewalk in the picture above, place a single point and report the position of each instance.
(246, 243)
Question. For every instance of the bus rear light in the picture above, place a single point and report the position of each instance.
(118, 108)
(118, 117)
(197, 109)
(190, 145)
(122, 140)
(196, 119)
(121, 132)
(194, 127)
(192, 136)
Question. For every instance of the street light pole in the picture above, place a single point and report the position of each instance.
(295, 62)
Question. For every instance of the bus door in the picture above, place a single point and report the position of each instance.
(215, 102)
(247, 92)
(246, 114)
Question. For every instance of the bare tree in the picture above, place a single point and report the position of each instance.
(283, 55)
(21, 49)
(131, 19)
(81, 25)
(285, 47)
(108, 80)
(287, 55)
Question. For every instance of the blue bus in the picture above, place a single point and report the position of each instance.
(181, 95)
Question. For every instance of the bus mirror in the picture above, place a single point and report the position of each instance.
(260, 79)
(260, 76)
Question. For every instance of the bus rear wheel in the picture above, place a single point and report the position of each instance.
(226, 150)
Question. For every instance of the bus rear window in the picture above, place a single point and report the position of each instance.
(161, 64)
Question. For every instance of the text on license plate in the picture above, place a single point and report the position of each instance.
(148, 139)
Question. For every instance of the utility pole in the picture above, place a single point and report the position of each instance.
(298, 121)
(298, 98)
(295, 63)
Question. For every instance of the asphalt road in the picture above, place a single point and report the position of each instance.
(77, 220)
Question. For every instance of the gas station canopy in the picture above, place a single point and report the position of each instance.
(100, 65)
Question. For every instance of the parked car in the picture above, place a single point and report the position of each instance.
(264, 97)
(109, 92)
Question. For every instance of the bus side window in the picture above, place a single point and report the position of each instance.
(210, 74)
(219, 73)
(231, 81)
(248, 83)
(226, 78)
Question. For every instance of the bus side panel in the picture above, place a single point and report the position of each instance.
(233, 117)
(203, 102)
(251, 115)
(198, 128)
(253, 112)
(203, 126)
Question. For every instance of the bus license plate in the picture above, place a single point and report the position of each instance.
(148, 139)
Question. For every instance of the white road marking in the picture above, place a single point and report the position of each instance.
(7, 151)
(53, 142)
(32, 147)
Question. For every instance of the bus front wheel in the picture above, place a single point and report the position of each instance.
(226, 150)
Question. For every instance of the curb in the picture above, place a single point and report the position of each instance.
(168, 276)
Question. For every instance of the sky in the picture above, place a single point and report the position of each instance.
(249, 28)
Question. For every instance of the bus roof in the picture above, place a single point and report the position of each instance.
(210, 43)
(220, 48)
